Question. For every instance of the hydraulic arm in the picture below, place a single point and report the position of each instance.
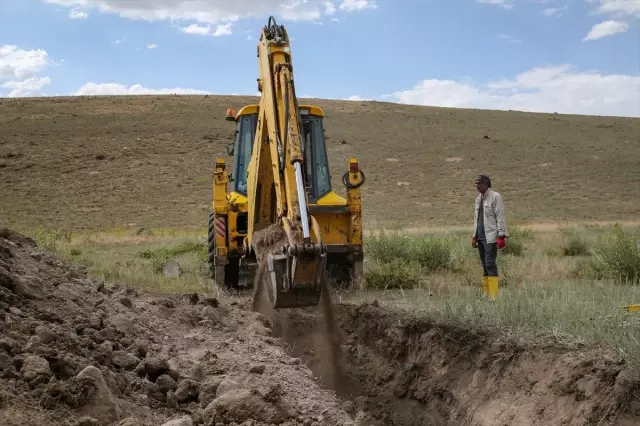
(276, 183)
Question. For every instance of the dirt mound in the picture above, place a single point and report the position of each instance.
(402, 371)
(78, 351)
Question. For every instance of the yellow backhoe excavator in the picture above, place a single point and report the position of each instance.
(281, 176)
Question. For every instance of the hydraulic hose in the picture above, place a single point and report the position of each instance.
(345, 180)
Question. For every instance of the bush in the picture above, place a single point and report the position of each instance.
(431, 253)
(574, 243)
(619, 256)
(515, 242)
(51, 239)
(392, 275)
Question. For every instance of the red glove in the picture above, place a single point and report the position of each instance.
(501, 242)
(474, 242)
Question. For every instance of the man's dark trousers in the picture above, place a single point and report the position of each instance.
(488, 254)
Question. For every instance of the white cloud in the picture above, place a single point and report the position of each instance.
(218, 11)
(16, 63)
(508, 38)
(554, 11)
(356, 5)
(618, 11)
(112, 89)
(29, 87)
(506, 4)
(356, 98)
(606, 28)
(220, 30)
(545, 89)
(19, 69)
(618, 8)
(196, 29)
(78, 14)
(152, 46)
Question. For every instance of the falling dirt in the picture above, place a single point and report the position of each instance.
(326, 340)
(78, 351)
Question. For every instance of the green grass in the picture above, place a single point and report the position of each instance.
(568, 284)
(568, 312)
(160, 255)
(135, 258)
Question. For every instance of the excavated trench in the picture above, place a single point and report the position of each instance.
(392, 369)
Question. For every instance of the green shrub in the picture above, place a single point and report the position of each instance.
(574, 243)
(393, 275)
(619, 256)
(515, 242)
(430, 252)
(51, 239)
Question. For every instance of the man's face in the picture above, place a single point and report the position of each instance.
(482, 187)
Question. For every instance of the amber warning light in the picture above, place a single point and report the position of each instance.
(231, 114)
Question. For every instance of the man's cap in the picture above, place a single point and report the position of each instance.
(483, 178)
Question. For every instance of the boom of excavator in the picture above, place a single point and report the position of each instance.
(281, 177)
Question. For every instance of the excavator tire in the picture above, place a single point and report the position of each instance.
(344, 274)
(224, 275)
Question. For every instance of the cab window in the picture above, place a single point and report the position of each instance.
(316, 163)
(245, 133)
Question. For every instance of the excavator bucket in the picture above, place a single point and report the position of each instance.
(295, 280)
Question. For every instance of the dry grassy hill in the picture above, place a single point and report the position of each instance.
(104, 162)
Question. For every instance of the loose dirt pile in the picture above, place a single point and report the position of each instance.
(76, 351)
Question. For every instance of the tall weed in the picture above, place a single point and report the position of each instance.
(618, 256)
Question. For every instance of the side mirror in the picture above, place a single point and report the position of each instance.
(231, 148)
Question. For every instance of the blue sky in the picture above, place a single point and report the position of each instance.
(572, 56)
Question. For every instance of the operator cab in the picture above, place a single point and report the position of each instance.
(317, 176)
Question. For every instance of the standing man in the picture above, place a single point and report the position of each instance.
(489, 232)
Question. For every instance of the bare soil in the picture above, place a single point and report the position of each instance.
(77, 351)
(147, 161)
(73, 347)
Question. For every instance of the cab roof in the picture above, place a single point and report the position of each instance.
(255, 108)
